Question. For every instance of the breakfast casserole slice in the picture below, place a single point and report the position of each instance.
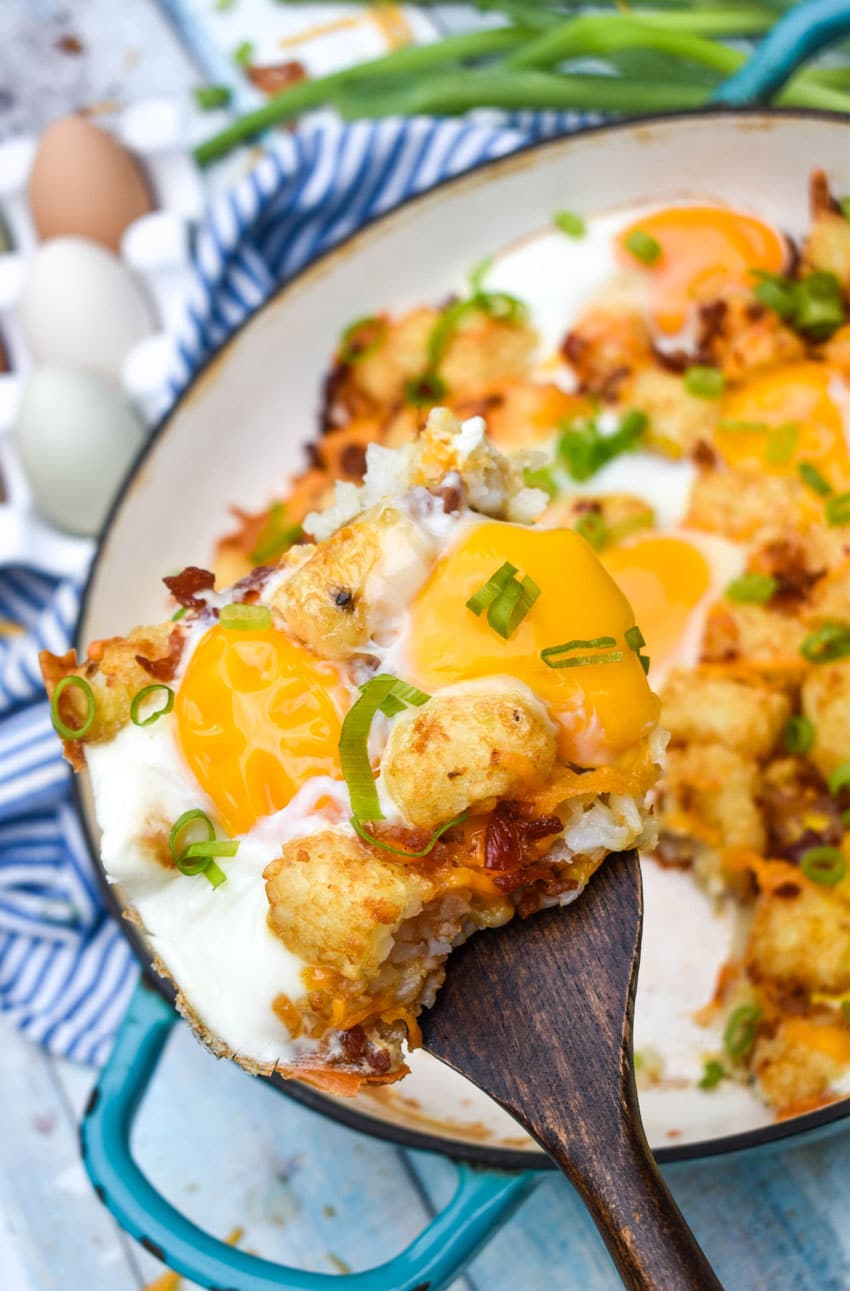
(429, 716)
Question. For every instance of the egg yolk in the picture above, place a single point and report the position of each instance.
(704, 249)
(257, 715)
(603, 708)
(777, 420)
(664, 579)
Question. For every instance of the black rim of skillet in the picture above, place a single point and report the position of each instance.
(346, 1112)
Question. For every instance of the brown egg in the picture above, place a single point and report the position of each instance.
(84, 182)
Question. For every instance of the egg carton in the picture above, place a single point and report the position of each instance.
(156, 248)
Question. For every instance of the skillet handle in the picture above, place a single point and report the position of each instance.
(797, 36)
(483, 1200)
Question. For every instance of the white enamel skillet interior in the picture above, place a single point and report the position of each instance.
(240, 428)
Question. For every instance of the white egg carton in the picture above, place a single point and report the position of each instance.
(157, 250)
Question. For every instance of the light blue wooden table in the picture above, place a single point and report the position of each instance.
(234, 1153)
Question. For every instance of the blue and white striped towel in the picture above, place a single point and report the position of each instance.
(66, 971)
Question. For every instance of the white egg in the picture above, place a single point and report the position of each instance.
(82, 307)
(76, 437)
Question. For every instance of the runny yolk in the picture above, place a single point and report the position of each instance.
(257, 715)
(664, 579)
(777, 420)
(704, 249)
(603, 709)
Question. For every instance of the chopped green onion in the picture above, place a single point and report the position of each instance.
(197, 858)
(584, 450)
(844, 203)
(400, 851)
(179, 614)
(140, 698)
(781, 442)
(799, 735)
(401, 694)
(824, 865)
(570, 223)
(541, 478)
(839, 778)
(634, 639)
(209, 97)
(593, 529)
(735, 425)
(705, 382)
(820, 306)
(549, 655)
(713, 1073)
(837, 509)
(776, 292)
(506, 600)
(354, 346)
(643, 246)
(354, 739)
(253, 618)
(478, 273)
(72, 682)
(811, 476)
(827, 644)
(751, 589)
(243, 53)
(427, 388)
(276, 537)
(501, 305)
(740, 1031)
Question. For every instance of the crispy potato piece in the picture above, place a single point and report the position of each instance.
(116, 672)
(678, 421)
(719, 710)
(742, 337)
(607, 344)
(794, 1067)
(755, 633)
(827, 248)
(347, 588)
(802, 939)
(836, 351)
(830, 599)
(826, 702)
(741, 506)
(466, 748)
(719, 786)
(484, 353)
(337, 904)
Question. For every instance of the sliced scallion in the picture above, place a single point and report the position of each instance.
(713, 1073)
(551, 655)
(593, 529)
(570, 223)
(751, 588)
(837, 509)
(825, 866)
(781, 442)
(704, 381)
(643, 246)
(826, 644)
(145, 693)
(799, 734)
(361, 338)
(240, 617)
(210, 97)
(506, 599)
(740, 1031)
(811, 476)
(72, 682)
(427, 388)
(839, 778)
(354, 739)
(198, 857)
(360, 829)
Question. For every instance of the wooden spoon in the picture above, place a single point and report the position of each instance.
(539, 1015)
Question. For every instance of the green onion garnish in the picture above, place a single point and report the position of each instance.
(209, 97)
(776, 292)
(823, 865)
(712, 1074)
(139, 699)
(827, 644)
(570, 223)
(844, 203)
(179, 614)
(839, 778)
(751, 588)
(427, 388)
(635, 641)
(781, 442)
(593, 529)
(197, 858)
(837, 509)
(740, 1031)
(584, 450)
(549, 655)
(814, 305)
(360, 829)
(254, 618)
(478, 273)
(541, 478)
(276, 536)
(243, 53)
(362, 338)
(506, 600)
(811, 476)
(705, 382)
(72, 681)
(799, 735)
(383, 693)
(643, 246)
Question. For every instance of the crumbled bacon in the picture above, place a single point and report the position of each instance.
(248, 588)
(185, 586)
(360, 1051)
(164, 669)
(509, 835)
(274, 78)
